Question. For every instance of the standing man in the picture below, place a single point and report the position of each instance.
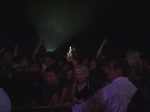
(116, 96)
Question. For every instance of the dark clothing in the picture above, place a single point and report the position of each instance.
(146, 77)
(95, 82)
(24, 89)
(141, 99)
(83, 94)
(5, 76)
(49, 90)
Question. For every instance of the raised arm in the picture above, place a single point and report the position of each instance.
(36, 50)
(16, 50)
(101, 47)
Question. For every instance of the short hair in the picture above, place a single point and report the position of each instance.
(53, 68)
(49, 55)
(84, 69)
(123, 65)
(35, 62)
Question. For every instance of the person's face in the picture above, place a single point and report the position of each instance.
(112, 74)
(135, 58)
(80, 75)
(93, 65)
(60, 63)
(35, 68)
(49, 61)
(146, 66)
(85, 61)
(51, 77)
(24, 63)
(70, 75)
(8, 57)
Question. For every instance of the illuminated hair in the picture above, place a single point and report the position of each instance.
(84, 69)
(129, 57)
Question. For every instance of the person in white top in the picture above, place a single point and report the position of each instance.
(114, 97)
(5, 104)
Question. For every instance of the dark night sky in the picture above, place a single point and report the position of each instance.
(77, 22)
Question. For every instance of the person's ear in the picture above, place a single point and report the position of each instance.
(119, 72)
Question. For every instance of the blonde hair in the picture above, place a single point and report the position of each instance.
(129, 58)
(86, 72)
(84, 69)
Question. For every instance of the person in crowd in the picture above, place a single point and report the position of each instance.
(5, 103)
(94, 65)
(60, 62)
(141, 99)
(104, 69)
(135, 62)
(18, 79)
(49, 58)
(71, 81)
(80, 90)
(55, 90)
(26, 88)
(24, 63)
(94, 76)
(6, 68)
(85, 61)
(146, 71)
(114, 97)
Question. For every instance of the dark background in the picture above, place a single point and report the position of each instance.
(125, 24)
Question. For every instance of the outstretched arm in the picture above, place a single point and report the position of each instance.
(16, 50)
(36, 50)
(101, 47)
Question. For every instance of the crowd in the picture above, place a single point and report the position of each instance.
(101, 84)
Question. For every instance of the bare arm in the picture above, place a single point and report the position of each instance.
(16, 50)
(36, 50)
(101, 47)
(63, 96)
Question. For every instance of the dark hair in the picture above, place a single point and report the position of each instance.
(49, 55)
(69, 69)
(53, 68)
(104, 62)
(123, 65)
(38, 63)
(24, 56)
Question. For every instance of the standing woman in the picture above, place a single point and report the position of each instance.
(135, 62)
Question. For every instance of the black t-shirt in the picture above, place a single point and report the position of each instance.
(82, 94)
(49, 90)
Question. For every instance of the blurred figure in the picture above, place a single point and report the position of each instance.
(135, 62)
(85, 61)
(141, 99)
(5, 103)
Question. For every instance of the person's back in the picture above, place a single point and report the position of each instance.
(5, 104)
(117, 95)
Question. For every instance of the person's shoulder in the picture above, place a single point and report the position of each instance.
(2, 94)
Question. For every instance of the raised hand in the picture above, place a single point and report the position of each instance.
(104, 41)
